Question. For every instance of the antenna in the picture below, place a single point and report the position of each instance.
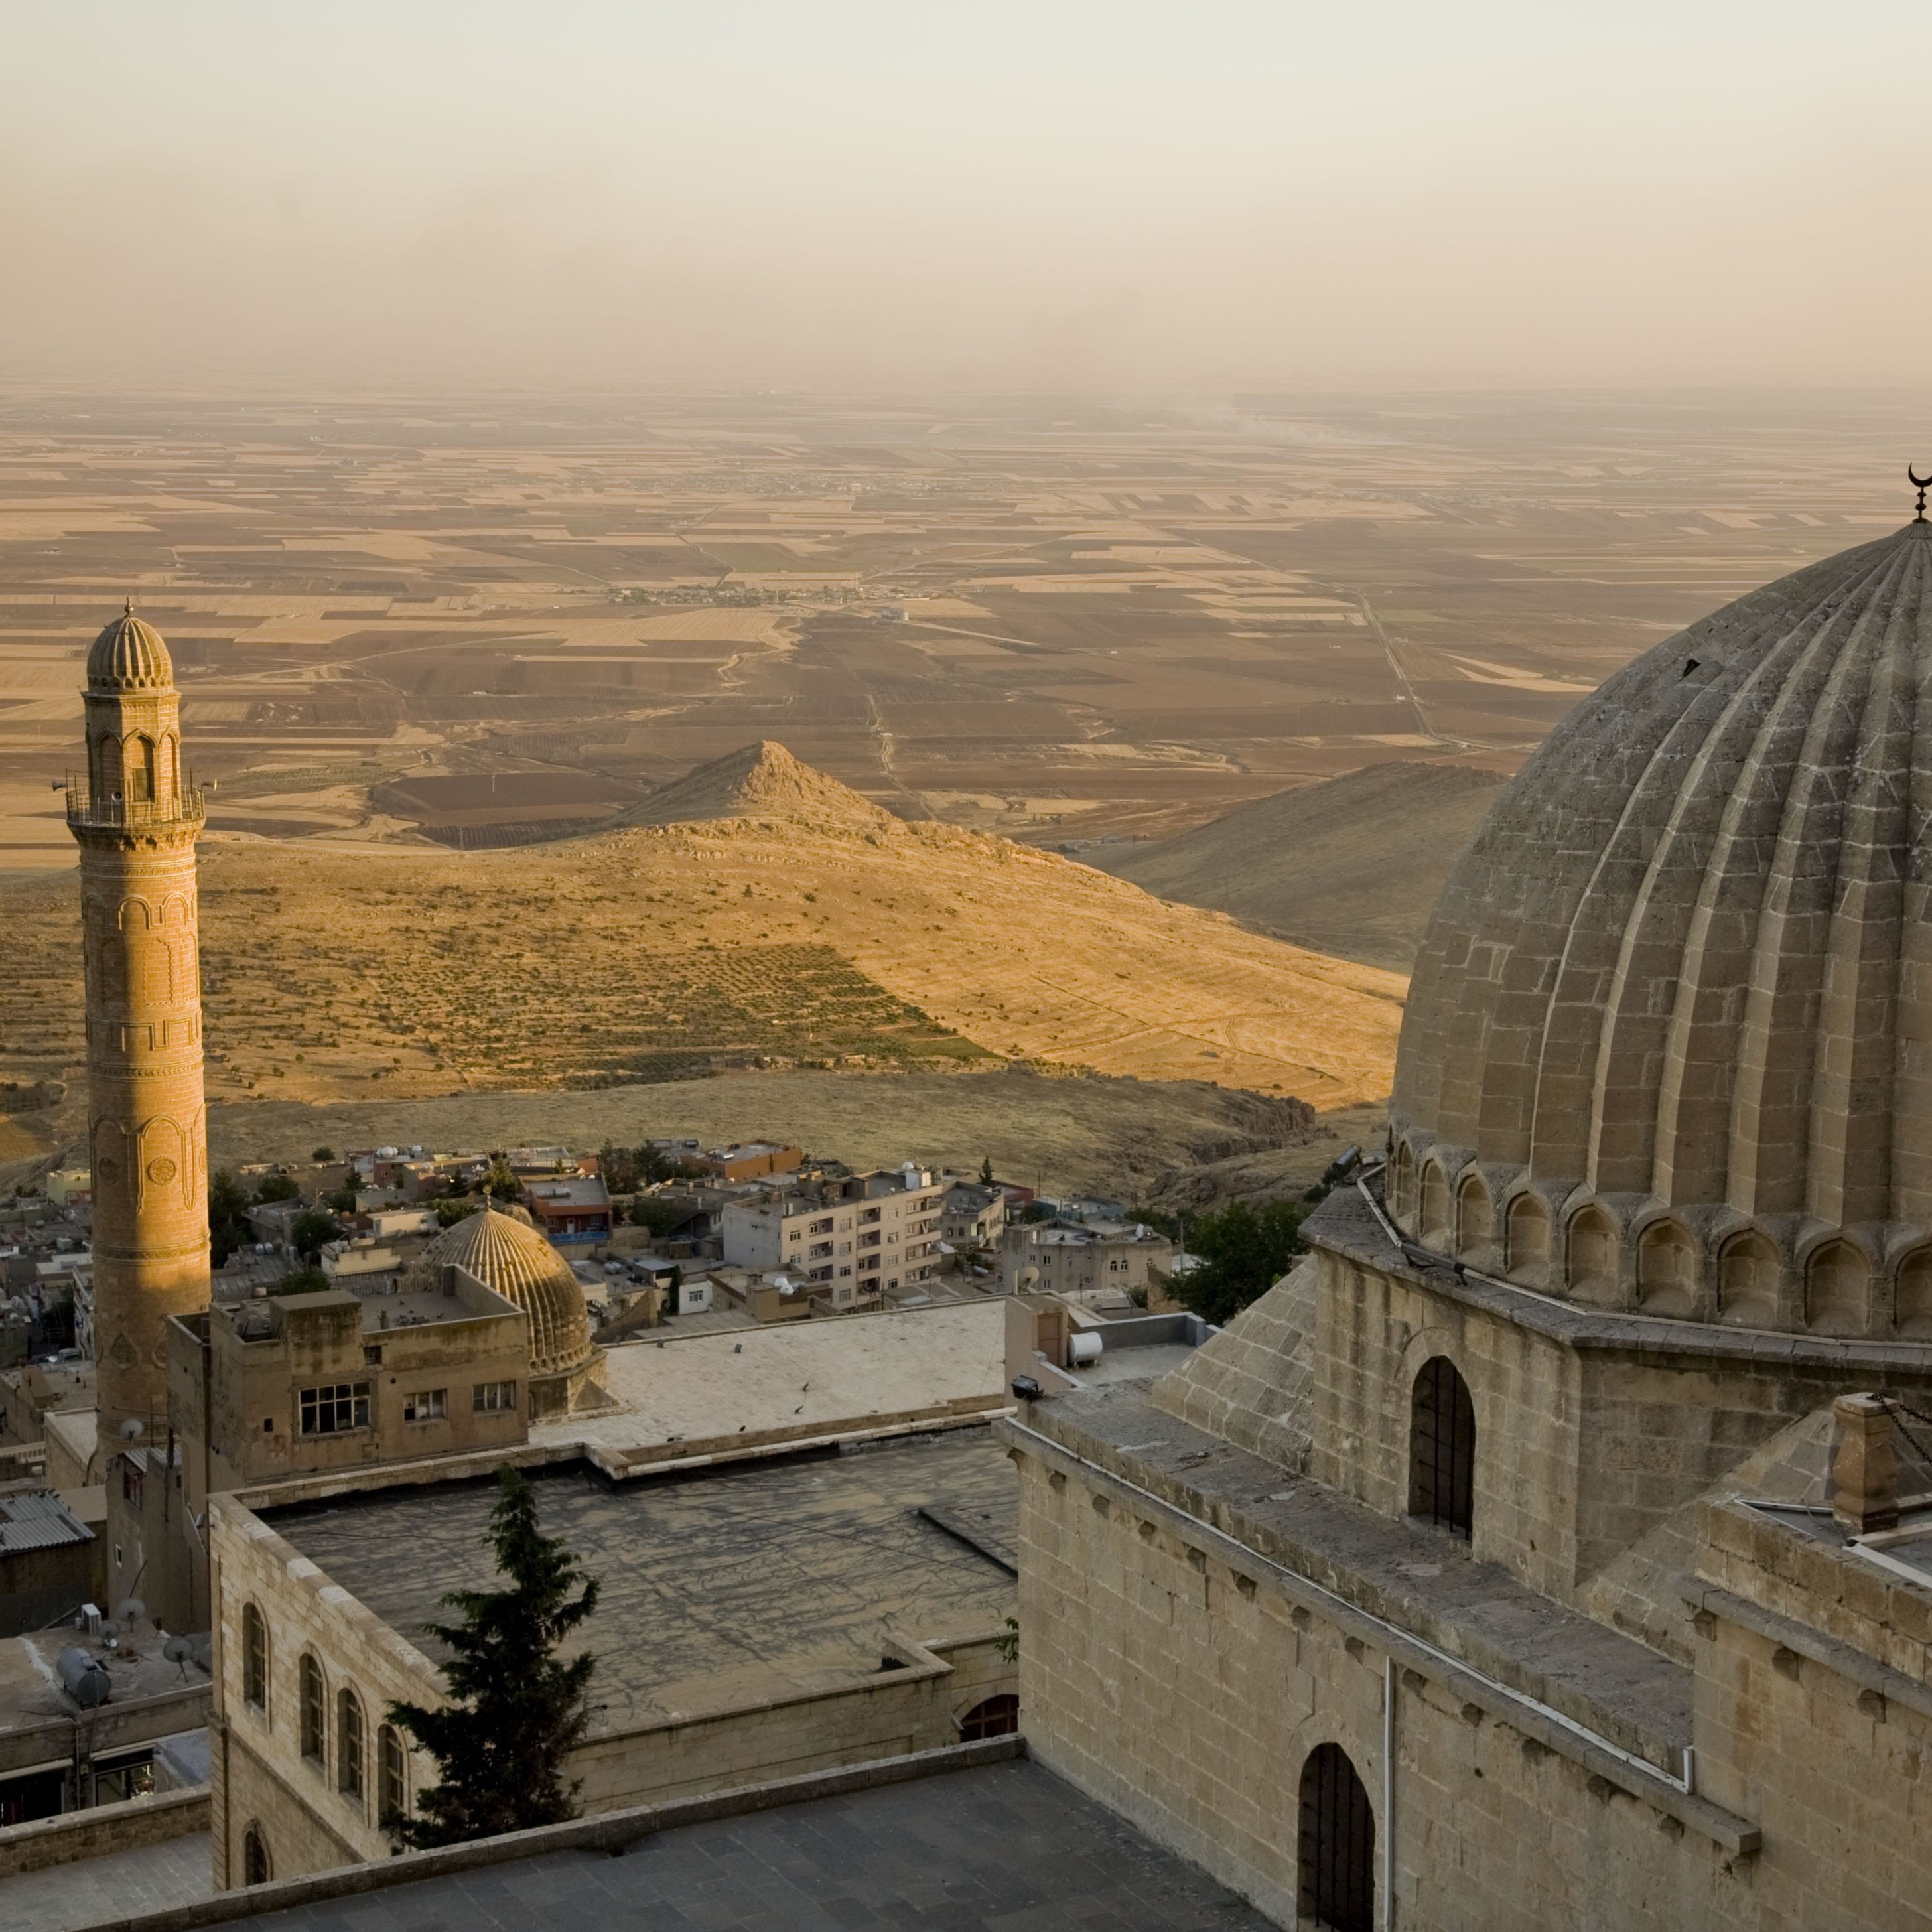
(1922, 485)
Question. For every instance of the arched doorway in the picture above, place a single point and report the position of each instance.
(1337, 1887)
(1442, 1448)
(995, 1717)
(255, 1867)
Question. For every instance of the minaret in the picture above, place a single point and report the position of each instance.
(136, 815)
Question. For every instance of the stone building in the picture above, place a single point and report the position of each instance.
(1080, 1259)
(508, 1255)
(1536, 1553)
(137, 813)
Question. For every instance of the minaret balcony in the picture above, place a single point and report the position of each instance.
(90, 811)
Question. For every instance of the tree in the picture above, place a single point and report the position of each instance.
(986, 1170)
(310, 1231)
(500, 1181)
(518, 1709)
(276, 1186)
(453, 1208)
(660, 1216)
(228, 1227)
(323, 1156)
(1242, 1254)
(303, 1281)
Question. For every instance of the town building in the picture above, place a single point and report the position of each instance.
(1081, 1260)
(753, 1160)
(572, 1208)
(972, 1216)
(1552, 1547)
(855, 1240)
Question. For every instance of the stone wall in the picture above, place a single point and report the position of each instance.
(106, 1828)
(1188, 1697)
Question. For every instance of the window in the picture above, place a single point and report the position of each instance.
(334, 1409)
(488, 1398)
(314, 1710)
(255, 1867)
(1442, 1448)
(254, 1657)
(997, 1717)
(349, 1774)
(130, 1484)
(267, 1425)
(392, 1776)
(1337, 1845)
(426, 1405)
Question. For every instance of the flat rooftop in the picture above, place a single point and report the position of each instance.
(1007, 1845)
(30, 1689)
(677, 1386)
(751, 1580)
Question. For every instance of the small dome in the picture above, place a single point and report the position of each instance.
(505, 1252)
(1664, 1043)
(129, 655)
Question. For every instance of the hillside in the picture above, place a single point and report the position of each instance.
(791, 923)
(1350, 867)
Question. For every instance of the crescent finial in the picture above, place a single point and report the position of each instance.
(1922, 485)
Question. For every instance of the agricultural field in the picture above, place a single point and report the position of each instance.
(1067, 622)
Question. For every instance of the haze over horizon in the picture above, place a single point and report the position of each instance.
(1139, 197)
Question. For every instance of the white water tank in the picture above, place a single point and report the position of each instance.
(1083, 1349)
(85, 1678)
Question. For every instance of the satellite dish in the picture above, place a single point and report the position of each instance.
(133, 1429)
(178, 1650)
(110, 1630)
(132, 1610)
(1029, 1278)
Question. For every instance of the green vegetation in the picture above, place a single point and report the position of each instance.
(303, 1281)
(276, 1186)
(310, 1231)
(454, 1207)
(228, 1206)
(1244, 1252)
(518, 1709)
(323, 1156)
(661, 1217)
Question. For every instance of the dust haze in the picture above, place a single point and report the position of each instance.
(1136, 197)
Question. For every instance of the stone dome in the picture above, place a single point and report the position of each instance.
(505, 1252)
(129, 655)
(1669, 1041)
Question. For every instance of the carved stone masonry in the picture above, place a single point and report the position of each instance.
(137, 813)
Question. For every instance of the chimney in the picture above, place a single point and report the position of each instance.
(1865, 1467)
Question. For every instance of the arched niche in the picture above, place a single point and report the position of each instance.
(1402, 1183)
(1666, 1269)
(1912, 1306)
(1433, 1211)
(1526, 1241)
(1336, 1847)
(1475, 1219)
(1838, 1289)
(1442, 1448)
(1747, 1274)
(1591, 1262)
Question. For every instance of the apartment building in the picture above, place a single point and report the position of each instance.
(853, 1240)
(1070, 1258)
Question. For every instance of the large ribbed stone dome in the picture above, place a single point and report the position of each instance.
(505, 1252)
(129, 655)
(1669, 1042)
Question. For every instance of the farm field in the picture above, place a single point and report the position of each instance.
(1067, 622)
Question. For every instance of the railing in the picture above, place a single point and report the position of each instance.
(88, 810)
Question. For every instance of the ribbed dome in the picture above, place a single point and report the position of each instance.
(506, 1253)
(129, 655)
(1669, 1042)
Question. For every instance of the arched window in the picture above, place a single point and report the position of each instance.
(1837, 1285)
(314, 1701)
(256, 1866)
(1666, 1269)
(1527, 1244)
(254, 1657)
(1913, 1310)
(1337, 1845)
(1475, 1219)
(997, 1717)
(1593, 1258)
(1442, 1448)
(1747, 1281)
(392, 1776)
(1405, 1185)
(350, 1777)
(1433, 1218)
(141, 770)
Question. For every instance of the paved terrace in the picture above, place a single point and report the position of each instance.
(750, 1580)
(1003, 1848)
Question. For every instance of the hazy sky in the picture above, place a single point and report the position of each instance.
(1049, 192)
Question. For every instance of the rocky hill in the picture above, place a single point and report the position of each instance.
(1350, 867)
(778, 918)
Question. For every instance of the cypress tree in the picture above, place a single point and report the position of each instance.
(517, 1709)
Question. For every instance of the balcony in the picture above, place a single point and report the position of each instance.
(90, 811)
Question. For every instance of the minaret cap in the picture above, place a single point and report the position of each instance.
(129, 655)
